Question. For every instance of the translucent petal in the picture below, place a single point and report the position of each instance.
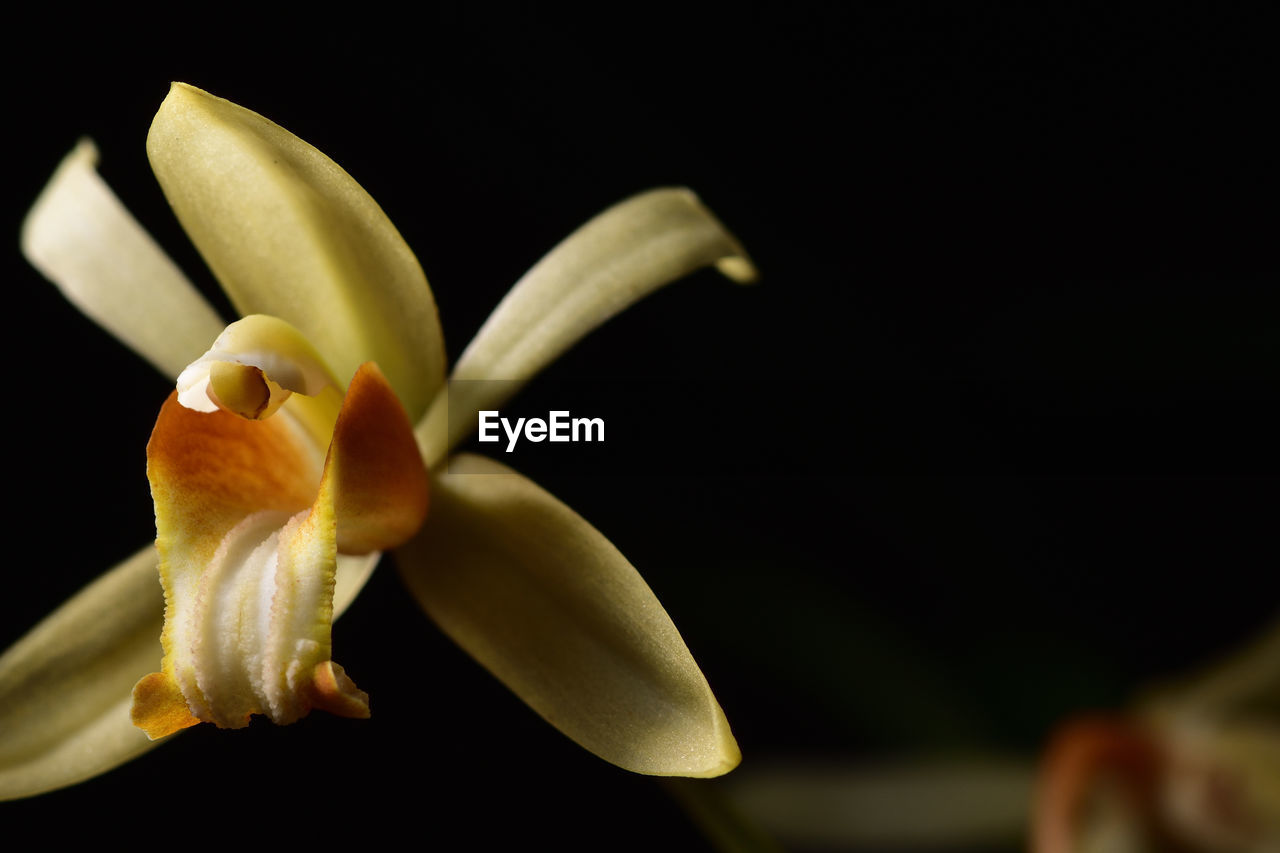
(82, 238)
(289, 233)
(620, 256)
(541, 599)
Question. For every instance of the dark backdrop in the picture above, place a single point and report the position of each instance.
(991, 442)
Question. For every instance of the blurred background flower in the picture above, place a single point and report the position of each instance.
(1011, 456)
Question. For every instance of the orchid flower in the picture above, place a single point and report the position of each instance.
(1192, 767)
(305, 440)
(1195, 766)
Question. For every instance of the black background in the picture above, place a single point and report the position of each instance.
(997, 442)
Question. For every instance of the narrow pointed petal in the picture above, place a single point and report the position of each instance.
(617, 258)
(550, 607)
(65, 686)
(83, 239)
(288, 233)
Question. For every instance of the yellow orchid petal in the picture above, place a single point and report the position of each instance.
(82, 238)
(290, 234)
(620, 256)
(64, 687)
(550, 607)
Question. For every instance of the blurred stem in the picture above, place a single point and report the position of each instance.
(978, 802)
(722, 824)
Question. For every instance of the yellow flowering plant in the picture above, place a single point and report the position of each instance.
(314, 433)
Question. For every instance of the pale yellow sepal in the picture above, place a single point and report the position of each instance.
(67, 685)
(549, 606)
(288, 233)
(619, 257)
(82, 238)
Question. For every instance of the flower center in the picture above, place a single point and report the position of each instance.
(245, 390)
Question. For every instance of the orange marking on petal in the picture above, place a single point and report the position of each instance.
(378, 479)
(158, 706)
(210, 470)
(333, 691)
(216, 480)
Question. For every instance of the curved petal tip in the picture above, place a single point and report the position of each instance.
(549, 606)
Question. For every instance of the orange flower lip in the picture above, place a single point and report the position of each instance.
(248, 530)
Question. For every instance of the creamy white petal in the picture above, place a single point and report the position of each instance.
(620, 256)
(290, 234)
(549, 606)
(83, 239)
